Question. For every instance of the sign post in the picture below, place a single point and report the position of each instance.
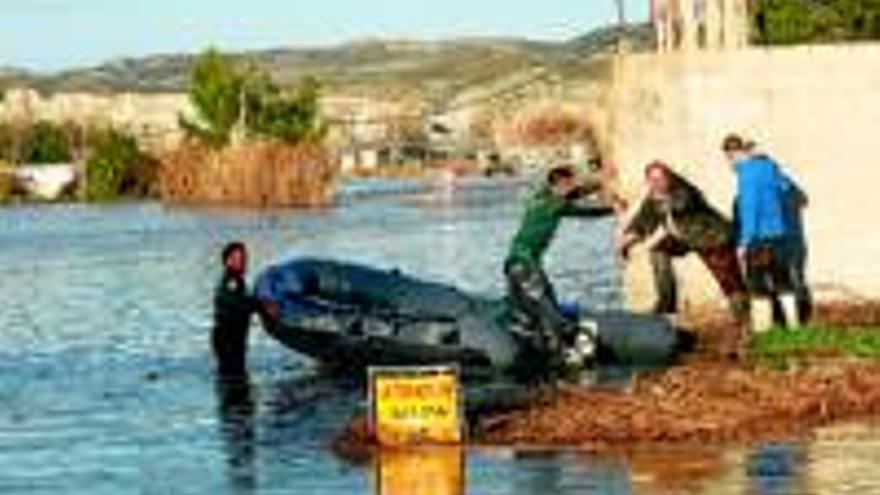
(415, 405)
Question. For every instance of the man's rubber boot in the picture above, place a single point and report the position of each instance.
(790, 310)
(762, 315)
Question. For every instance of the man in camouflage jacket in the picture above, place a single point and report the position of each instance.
(675, 219)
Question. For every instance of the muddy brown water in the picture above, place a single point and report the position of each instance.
(106, 384)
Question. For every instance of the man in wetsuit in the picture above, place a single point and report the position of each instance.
(530, 293)
(233, 306)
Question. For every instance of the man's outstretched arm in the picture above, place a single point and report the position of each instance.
(587, 210)
(584, 203)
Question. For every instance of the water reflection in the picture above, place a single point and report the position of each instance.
(236, 410)
(438, 470)
(776, 468)
(843, 459)
(673, 469)
(542, 473)
(558, 472)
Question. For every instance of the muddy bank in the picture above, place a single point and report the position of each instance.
(701, 402)
(707, 400)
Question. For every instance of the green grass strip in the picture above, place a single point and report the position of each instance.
(818, 341)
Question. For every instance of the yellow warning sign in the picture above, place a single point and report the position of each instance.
(411, 405)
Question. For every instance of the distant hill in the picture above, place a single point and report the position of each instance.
(370, 66)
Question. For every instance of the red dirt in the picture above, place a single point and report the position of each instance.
(702, 402)
(705, 400)
(863, 314)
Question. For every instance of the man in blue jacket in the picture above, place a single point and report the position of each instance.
(795, 201)
(765, 231)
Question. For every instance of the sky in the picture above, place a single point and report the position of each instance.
(52, 35)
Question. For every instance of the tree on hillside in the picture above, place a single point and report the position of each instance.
(225, 97)
(290, 117)
(215, 92)
(46, 143)
(804, 21)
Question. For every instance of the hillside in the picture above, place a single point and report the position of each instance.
(438, 68)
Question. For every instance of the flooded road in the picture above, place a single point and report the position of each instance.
(106, 382)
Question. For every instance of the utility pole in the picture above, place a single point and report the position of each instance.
(621, 25)
(621, 12)
(609, 149)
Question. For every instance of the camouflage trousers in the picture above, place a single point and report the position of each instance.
(721, 261)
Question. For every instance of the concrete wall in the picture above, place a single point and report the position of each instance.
(817, 109)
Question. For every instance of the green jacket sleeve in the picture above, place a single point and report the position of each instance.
(587, 210)
(583, 204)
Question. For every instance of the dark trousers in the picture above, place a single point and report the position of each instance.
(229, 343)
(798, 268)
(777, 267)
(769, 269)
(534, 300)
(722, 263)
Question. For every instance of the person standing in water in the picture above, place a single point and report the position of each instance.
(233, 307)
(530, 292)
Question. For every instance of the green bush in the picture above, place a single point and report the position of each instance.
(215, 92)
(225, 96)
(292, 118)
(7, 182)
(7, 143)
(117, 167)
(781, 344)
(811, 21)
(46, 142)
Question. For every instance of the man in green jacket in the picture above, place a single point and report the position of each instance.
(675, 219)
(530, 292)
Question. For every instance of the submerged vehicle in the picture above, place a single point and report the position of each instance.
(349, 317)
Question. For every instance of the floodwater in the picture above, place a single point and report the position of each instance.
(106, 382)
